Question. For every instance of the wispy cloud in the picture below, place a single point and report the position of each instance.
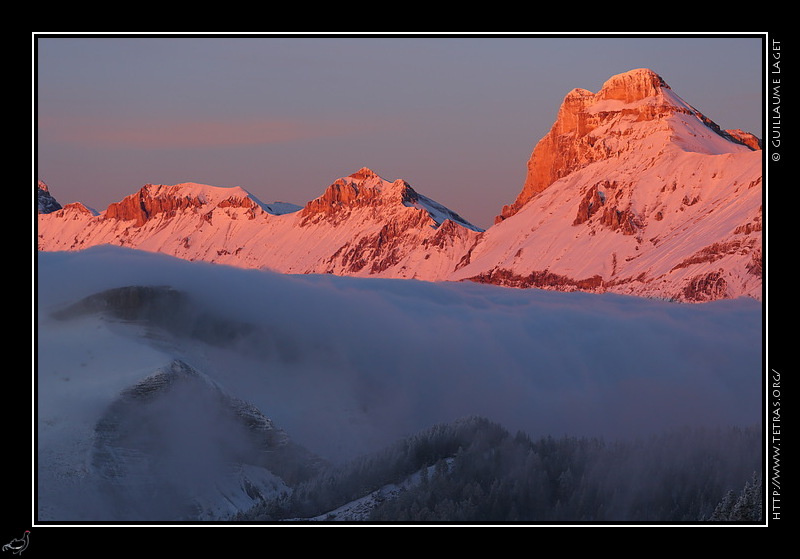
(161, 133)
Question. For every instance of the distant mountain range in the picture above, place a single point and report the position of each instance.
(632, 191)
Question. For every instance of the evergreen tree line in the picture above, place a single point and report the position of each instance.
(745, 506)
(474, 471)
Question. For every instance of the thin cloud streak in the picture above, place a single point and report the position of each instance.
(159, 133)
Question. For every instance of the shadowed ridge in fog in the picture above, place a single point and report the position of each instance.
(373, 361)
(167, 311)
(169, 442)
(161, 307)
(384, 358)
(473, 470)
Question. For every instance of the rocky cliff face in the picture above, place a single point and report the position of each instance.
(366, 189)
(44, 200)
(362, 225)
(396, 225)
(632, 191)
(572, 143)
(746, 138)
(360, 189)
(166, 201)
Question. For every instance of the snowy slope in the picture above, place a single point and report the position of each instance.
(632, 191)
(344, 366)
(362, 225)
(128, 432)
(693, 215)
(648, 197)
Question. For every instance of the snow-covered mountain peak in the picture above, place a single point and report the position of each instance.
(360, 188)
(632, 190)
(633, 85)
(367, 192)
(635, 115)
(362, 224)
(627, 93)
(203, 193)
(612, 192)
(152, 200)
(364, 174)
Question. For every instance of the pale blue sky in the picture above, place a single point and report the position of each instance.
(284, 117)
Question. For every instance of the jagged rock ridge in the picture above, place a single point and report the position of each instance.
(635, 96)
(44, 200)
(361, 225)
(632, 191)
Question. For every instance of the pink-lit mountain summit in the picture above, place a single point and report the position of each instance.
(632, 191)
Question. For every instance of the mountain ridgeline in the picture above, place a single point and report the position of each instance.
(632, 191)
(169, 389)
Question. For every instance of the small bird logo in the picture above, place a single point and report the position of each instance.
(18, 545)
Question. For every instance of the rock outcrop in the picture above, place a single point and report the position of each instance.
(632, 191)
(362, 225)
(625, 193)
(151, 201)
(360, 189)
(44, 200)
(746, 138)
(638, 95)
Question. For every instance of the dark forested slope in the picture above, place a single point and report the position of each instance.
(476, 471)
